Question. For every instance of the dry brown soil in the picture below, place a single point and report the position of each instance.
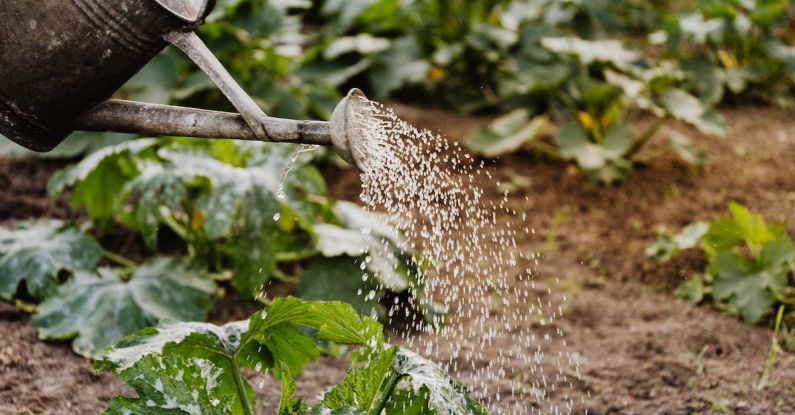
(641, 350)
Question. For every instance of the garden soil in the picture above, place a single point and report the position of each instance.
(640, 350)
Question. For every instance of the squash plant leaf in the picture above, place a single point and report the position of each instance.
(506, 134)
(605, 161)
(184, 385)
(684, 106)
(246, 207)
(743, 226)
(340, 279)
(194, 367)
(750, 286)
(97, 178)
(402, 382)
(36, 252)
(98, 309)
(272, 340)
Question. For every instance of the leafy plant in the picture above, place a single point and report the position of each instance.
(736, 49)
(96, 306)
(750, 263)
(35, 254)
(99, 308)
(597, 110)
(256, 209)
(195, 367)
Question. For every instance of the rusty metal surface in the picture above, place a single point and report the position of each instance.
(59, 58)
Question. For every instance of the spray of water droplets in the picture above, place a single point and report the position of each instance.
(498, 323)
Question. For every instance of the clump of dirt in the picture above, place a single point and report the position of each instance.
(24, 194)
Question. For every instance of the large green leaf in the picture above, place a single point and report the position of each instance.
(590, 51)
(153, 190)
(35, 253)
(402, 382)
(340, 279)
(400, 65)
(748, 286)
(272, 340)
(98, 179)
(194, 367)
(98, 309)
(743, 226)
(605, 161)
(182, 385)
(506, 134)
(684, 106)
(153, 357)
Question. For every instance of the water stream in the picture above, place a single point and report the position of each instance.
(438, 196)
(444, 201)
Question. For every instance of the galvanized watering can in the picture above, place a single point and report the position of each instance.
(61, 60)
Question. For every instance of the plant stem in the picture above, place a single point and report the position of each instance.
(281, 276)
(241, 389)
(774, 349)
(645, 137)
(175, 226)
(382, 398)
(295, 256)
(546, 149)
(119, 259)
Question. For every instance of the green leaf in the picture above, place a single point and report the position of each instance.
(340, 279)
(692, 290)
(590, 51)
(603, 163)
(619, 138)
(196, 365)
(684, 148)
(154, 357)
(152, 190)
(277, 329)
(400, 65)
(366, 383)
(287, 405)
(99, 309)
(750, 287)
(35, 253)
(668, 245)
(363, 43)
(743, 226)
(506, 134)
(256, 244)
(271, 340)
(175, 384)
(98, 178)
(684, 106)
(396, 374)
(445, 395)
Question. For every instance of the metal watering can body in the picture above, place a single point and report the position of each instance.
(60, 58)
(61, 61)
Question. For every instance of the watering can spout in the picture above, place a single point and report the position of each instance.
(61, 61)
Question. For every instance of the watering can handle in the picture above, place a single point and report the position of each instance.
(190, 44)
(162, 120)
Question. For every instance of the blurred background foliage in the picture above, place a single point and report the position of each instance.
(590, 67)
